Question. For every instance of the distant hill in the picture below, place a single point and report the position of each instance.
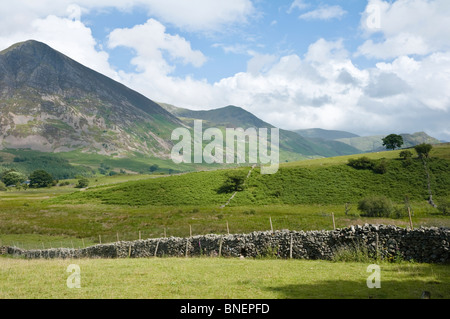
(375, 144)
(293, 145)
(325, 134)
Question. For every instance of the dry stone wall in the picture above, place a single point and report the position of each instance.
(430, 245)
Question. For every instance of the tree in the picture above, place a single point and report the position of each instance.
(393, 141)
(40, 179)
(82, 183)
(12, 177)
(2, 187)
(153, 168)
(423, 150)
(234, 182)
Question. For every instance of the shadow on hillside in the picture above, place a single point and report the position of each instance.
(409, 283)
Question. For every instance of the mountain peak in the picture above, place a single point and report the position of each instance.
(49, 102)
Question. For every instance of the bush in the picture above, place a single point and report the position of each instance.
(82, 183)
(406, 154)
(376, 206)
(444, 207)
(381, 167)
(361, 163)
(2, 187)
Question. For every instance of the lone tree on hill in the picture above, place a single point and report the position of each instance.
(393, 141)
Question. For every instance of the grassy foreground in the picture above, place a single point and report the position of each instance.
(208, 278)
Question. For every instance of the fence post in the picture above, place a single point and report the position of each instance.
(157, 245)
(187, 244)
(271, 226)
(410, 219)
(100, 239)
(334, 222)
(117, 236)
(228, 228)
(290, 249)
(220, 246)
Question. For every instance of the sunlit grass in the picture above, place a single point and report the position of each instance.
(198, 278)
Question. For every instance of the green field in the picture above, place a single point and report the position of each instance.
(218, 278)
(301, 196)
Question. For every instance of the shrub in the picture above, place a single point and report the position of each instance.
(82, 183)
(381, 167)
(2, 187)
(361, 163)
(406, 154)
(376, 206)
(444, 207)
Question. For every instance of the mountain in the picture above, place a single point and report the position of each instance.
(325, 134)
(292, 145)
(375, 144)
(51, 103)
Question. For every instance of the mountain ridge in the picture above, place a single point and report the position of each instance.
(50, 102)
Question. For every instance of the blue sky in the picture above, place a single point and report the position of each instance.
(365, 66)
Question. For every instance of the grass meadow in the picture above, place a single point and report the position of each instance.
(301, 196)
(218, 278)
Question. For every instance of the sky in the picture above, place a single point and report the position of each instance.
(370, 67)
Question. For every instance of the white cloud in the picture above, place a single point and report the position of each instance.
(202, 15)
(408, 27)
(324, 12)
(298, 4)
(193, 15)
(70, 37)
(150, 40)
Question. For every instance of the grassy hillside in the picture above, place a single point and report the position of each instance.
(294, 184)
(325, 134)
(68, 165)
(301, 196)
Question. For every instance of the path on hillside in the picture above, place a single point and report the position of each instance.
(234, 194)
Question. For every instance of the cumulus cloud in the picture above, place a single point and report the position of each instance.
(408, 27)
(70, 37)
(149, 40)
(193, 15)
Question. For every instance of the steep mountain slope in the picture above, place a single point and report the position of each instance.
(290, 142)
(52, 103)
